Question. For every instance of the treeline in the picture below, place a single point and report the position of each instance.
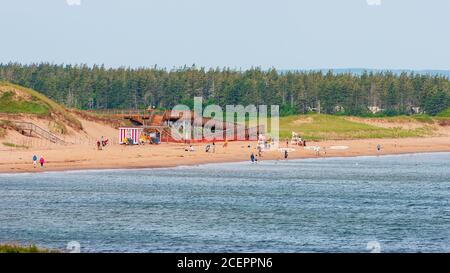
(97, 87)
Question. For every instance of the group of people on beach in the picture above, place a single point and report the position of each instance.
(254, 158)
(101, 143)
(189, 148)
(41, 161)
(209, 148)
(296, 142)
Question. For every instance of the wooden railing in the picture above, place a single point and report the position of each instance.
(118, 112)
(33, 128)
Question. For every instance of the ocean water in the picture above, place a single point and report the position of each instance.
(397, 203)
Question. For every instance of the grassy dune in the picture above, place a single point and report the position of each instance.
(36, 103)
(326, 127)
(416, 118)
(9, 104)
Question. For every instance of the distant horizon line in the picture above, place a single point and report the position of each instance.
(168, 68)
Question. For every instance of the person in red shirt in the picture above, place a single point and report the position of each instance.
(42, 161)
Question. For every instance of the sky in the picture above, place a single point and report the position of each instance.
(284, 34)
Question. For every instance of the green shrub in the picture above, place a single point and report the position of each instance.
(444, 113)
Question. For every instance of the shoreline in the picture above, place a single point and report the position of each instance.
(86, 158)
(204, 164)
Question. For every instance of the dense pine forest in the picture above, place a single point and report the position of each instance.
(97, 87)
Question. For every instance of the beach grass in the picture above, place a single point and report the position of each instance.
(332, 127)
(444, 114)
(424, 118)
(415, 118)
(13, 248)
(9, 104)
(328, 127)
(12, 145)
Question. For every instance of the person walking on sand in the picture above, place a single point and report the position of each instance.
(42, 161)
(286, 154)
(317, 150)
(34, 161)
(214, 147)
(252, 158)
(378, 148)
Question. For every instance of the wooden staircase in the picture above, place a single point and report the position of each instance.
(156, 121)
(32, 128)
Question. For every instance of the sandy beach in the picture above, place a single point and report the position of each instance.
(82, 157)
(81, 152)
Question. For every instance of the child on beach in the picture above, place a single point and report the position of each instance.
(317, 150)
(378, 149)
(42, 161)
(34, 161)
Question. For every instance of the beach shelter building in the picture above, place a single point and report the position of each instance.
(130, 135)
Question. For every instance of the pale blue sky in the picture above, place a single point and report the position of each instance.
(285, 34)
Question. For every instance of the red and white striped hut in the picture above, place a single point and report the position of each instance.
(130, 135)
